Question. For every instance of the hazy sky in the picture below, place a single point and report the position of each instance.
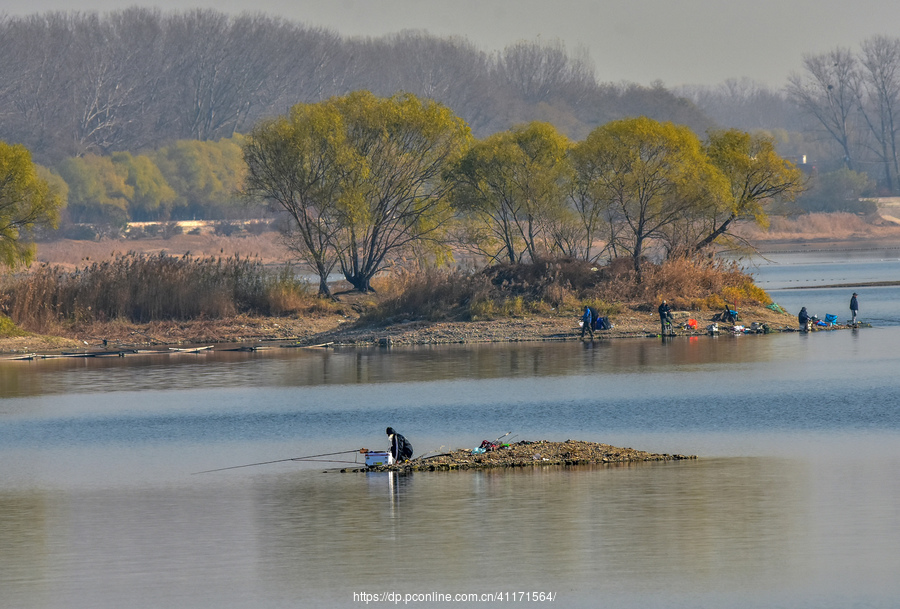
(675, 41)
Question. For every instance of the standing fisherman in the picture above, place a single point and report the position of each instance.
(803, 320)
(665, 314)
(587, 322)
(854, 307)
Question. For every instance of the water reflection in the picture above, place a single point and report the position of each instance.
(720, 525)
(98, 507)
(304, 368)
(715, 523)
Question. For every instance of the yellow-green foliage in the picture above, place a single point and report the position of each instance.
(9, 329)
(482, 310)
(745, 293)
(513, 307)
(713, 302)
(27, 200)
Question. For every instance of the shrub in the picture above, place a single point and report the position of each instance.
(430, 294)
(171, 229)
(226, 229)
(8, 329)
(258, 227)
(78, 232)
(565, 286)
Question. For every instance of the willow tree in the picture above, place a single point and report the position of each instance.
(27, 200)
(648, 176)
(396, 199)
(298, 163)
(755, 174)
(511, 190)
(361, 178)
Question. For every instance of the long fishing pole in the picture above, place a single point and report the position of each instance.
(501, 437)
(222, 469)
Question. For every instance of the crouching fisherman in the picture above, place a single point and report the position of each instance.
(401, 449)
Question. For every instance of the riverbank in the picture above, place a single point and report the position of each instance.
(527, 454)
(345, 329)
(342, 327)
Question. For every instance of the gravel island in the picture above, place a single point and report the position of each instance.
(526, 454)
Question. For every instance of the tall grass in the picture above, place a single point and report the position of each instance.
(698, 284)
(429, 294)
(142, 288)
(565, 286)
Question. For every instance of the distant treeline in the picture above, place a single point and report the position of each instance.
(77, 82)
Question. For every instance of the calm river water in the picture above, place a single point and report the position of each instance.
(794, 501)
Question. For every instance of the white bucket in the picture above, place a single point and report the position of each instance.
(377, 459)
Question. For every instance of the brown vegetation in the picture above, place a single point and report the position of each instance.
(823, 230)
(530, 454)
(566, 286)
(70, 254)
(503, 303)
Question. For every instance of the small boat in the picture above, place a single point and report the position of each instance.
(190, 349)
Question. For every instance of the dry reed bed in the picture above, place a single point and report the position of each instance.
(141, 289)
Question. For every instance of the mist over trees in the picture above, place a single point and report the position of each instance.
(841, 111)
(74, 83)
(149, 107)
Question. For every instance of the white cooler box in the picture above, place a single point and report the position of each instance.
(376, 459)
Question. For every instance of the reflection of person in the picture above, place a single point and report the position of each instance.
(401, 449)
(587, 322)
(854, 307)
(665, 313)
(803, 318)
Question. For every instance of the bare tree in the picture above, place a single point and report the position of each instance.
(219, 67)
(543, 72)
(829, 92)
(880, 101)
(744, 104)
(37, 77)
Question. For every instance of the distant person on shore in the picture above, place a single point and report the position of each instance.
(854, 307)
(803, 318)
(665, 314)
(729, 315)
(401, 449)
(587, 322)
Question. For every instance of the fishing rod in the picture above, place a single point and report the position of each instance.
(222, 469)
(427, 454)
(497, 441)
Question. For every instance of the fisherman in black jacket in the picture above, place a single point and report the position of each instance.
(401, 449)
(665, 315)
(803, 319)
